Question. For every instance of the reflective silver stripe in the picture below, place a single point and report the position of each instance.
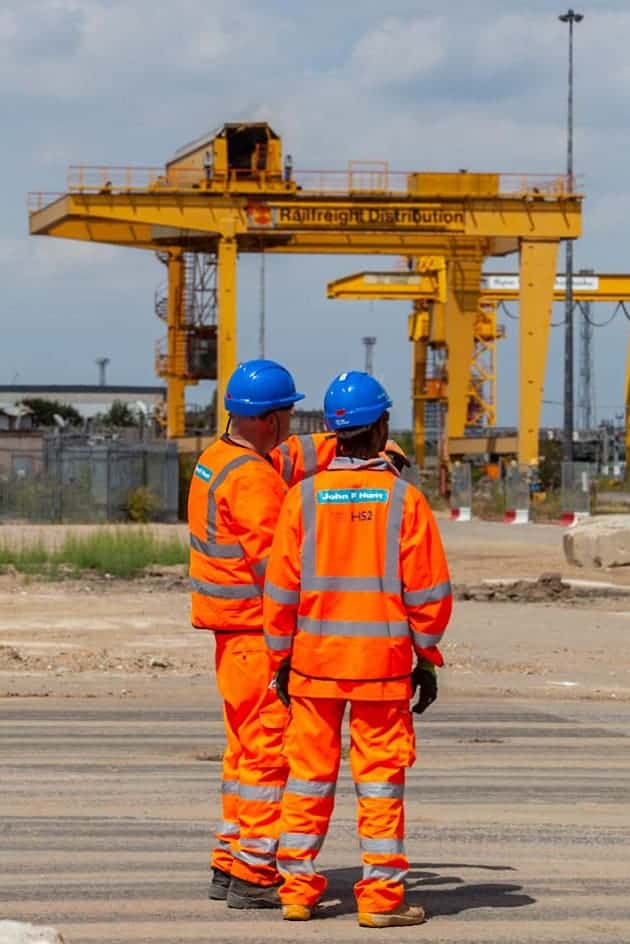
(280, 595)
(228, 828)
(259, 843)
(315, 788)
(385, 846)
(296, 866)
(286, 462)
(307, 495)
(253, 858)
(229, 786)
(215, 550)
(304, 841)
(350, 628)
(352, 584)
(384, 872)
(225, 471)
(268, 794)
(380, 790)
(392, 536)
(389, 582)
(260, 567)
(229, 591)
(222, 844)
(426, 640)
(309, 455)
(278, 643)
(431, 595)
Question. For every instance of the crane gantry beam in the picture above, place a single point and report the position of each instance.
(230, 193)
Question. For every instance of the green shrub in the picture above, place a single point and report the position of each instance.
(142, 505)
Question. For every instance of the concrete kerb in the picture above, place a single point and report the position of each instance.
(16, 932)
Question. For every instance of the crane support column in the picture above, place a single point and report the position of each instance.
(419, 400)
(226, 321)
(537, 277)
(175, 382)
(464, 279)
(628, 413)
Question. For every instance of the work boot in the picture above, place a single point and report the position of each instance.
(296, 912)
(242, 894)
(219, 884)
(403, 916)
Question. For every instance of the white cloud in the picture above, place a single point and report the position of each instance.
(38, 258)
(398, 51)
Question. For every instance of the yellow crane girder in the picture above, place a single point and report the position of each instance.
(230, 192)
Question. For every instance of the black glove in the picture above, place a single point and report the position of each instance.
(281, 683)
(424, 678)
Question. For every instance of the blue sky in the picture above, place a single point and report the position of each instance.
(424, 86)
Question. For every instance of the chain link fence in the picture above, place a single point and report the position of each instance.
(84, 481)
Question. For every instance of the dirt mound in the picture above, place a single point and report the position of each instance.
(548, 588)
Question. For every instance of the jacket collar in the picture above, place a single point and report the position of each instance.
(349, 463)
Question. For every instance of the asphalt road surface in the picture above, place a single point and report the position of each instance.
(518, 823)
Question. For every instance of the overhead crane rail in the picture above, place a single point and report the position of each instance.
(232, 192)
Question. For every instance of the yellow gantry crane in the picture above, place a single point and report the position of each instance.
(424, 285)
(232, 192)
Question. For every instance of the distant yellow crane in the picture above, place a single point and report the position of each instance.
(425, 287)
(429, 332)
(232, 192)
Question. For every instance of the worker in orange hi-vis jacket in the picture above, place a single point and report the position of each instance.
(299, 457)
(233, 506)
(356, 583)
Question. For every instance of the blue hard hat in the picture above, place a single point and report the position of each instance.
(258, 386)
(354, 399)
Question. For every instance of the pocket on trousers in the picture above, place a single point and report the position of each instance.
(406, 741)
(273, 725)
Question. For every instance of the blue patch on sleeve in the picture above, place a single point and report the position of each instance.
(202, 472)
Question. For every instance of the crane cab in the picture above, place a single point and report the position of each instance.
(239, 158)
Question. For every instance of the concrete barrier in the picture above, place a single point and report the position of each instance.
(599, 542)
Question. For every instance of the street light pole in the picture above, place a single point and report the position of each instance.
(569, 17)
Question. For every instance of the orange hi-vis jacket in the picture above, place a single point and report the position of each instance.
(299, 457)
(233, 506)
(357, 580)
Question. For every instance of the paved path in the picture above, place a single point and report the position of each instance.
(518, 824)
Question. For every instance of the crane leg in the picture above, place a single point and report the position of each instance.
(226, 321)
(628, 413)
(175, 382)
(419, 368)
(464, 278)
(537, 276)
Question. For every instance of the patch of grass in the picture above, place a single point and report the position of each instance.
(28, 559)
(118, 552)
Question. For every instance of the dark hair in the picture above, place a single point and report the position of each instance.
(358, 440)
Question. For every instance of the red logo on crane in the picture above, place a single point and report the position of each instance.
(259, 214)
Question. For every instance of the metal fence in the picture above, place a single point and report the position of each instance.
(88, 481)
(576, 491)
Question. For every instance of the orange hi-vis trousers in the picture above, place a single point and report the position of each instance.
(254, 768)
(382, 746)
